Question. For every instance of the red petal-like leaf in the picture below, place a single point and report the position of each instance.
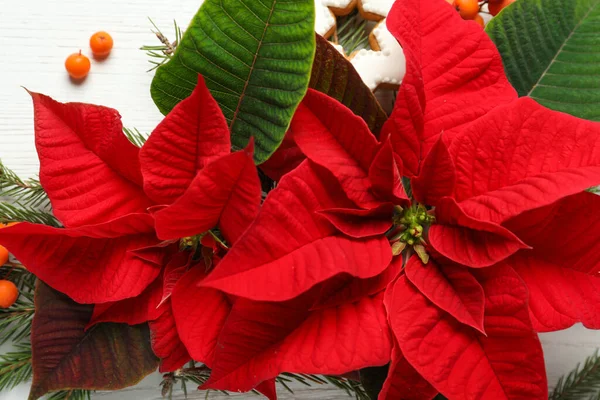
(91, 264)
(175, 269)
(437, 177)
(88, 168)
(192, 135)
(385, 174)
(558, 296)
(361, 223)
(286, 158)
(132, 311)
(200, 314)
(450, 287)
(460, 362)
(268, 389)
(261, 340)
(523, 156)
(454, 75)
(347, 289)
(227, 192)
(165, 341)
(330, 135)
(289, 248)
(65, 356)
(404, 382)
(469, 241)
(566, 233)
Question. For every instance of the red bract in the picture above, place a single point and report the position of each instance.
(498, 237)
(113, 252)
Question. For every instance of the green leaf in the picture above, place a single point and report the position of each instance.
(550, 52)
(335, 76)
(255, 56)
(65, 356)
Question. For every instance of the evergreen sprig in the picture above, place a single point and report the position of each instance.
(581, 383)
(160, 54)
(10, 212)
(198, 375)
(15, 322)
(136, 137)
(15, 366)
(75, 394)
(25, 192)
(19, 275)
(352, 33)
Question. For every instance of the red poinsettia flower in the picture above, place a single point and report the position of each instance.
(112, 251)
(498, 239)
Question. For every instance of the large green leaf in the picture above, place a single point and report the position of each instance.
(65, 356)
(255, 56)
(335, 76)
(551, 52)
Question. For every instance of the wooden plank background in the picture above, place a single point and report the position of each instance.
(35, 38)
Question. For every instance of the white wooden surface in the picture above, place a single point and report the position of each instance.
(35, 38)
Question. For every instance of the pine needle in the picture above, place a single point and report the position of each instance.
(74, 394)
(15, 367)
(165, 50)
(15, 321)
(136, 137)
(352, 33)
(581, 383)
(20, 213)
(27, 192)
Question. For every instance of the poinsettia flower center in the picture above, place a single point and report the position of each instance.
(410, 227)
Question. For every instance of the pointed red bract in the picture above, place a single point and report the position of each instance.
(261, 340)
(566, 233)
(404, 382)
(286, 158)
(173, 272)
(226, 192)
(454, 75)
(437, 177)
(459, 362)
(385, 174)
(166, 343)
(450, 287)
(559, 296)
(289, 248)
(334, 137)
(200, 314)
(347, 289)
(469, 241)
(192, 135)
(132, 311)
(523, 156)
(358, 223)
(88, 168)
(91, 264)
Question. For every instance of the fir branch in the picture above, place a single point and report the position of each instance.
(19, 275)
(15, 367)
(352, 33)
(198, 375)
(19, 213)
(136, 137)
(162, 53)
(15, 322)
(74, 394)
(27, 192)
(192, 373)
(582, 382)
